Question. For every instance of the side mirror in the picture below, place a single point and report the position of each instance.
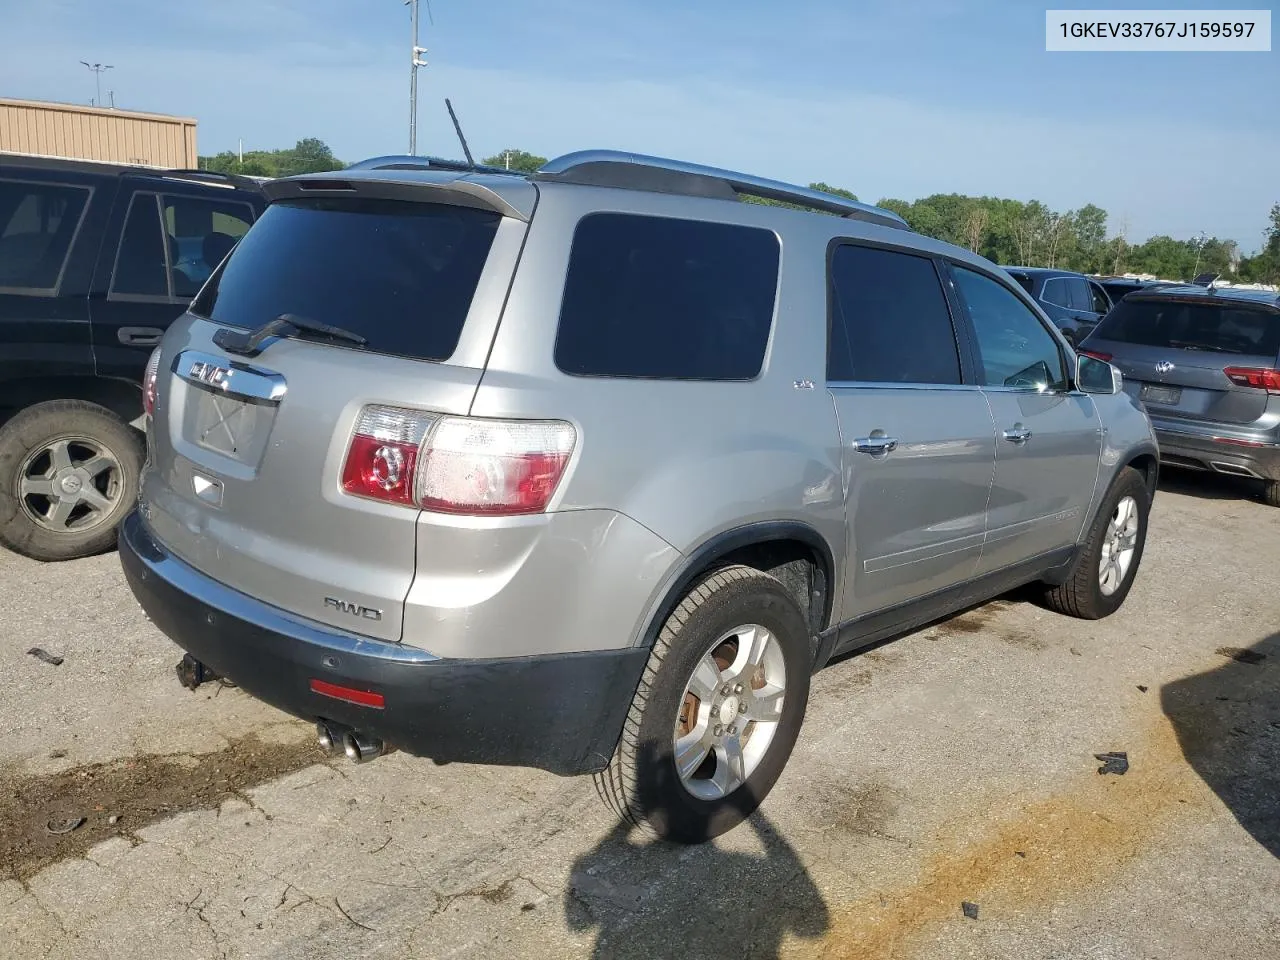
(1097, 376)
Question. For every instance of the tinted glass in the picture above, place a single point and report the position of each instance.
(200, 234)
(661, 298)
(1015, 350)
(1024, 282)
(889, 319)
(37, 224)
(1181, 324)
(140, 261)
(400, 274)
(1055, 292)
(1100, 302)
(1081, 296)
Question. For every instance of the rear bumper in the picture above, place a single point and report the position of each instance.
(1209, 450)
(562, 713)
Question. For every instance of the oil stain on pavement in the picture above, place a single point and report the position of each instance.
(122, 797)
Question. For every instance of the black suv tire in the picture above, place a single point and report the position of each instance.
(101, 459)
(642, 783)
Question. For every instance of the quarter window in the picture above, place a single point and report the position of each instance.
(1015, 350)
(38, 221)
(889, 319)
(668, 299)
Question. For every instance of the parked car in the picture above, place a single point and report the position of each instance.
(1118, 288)
(1071, 300)
(1206, 364)
(570, 470)
(96, 260)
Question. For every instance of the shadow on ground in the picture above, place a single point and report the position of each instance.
(738, 896)
(1209, 486)
(1228, 725)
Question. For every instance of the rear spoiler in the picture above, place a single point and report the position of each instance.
(512, 197)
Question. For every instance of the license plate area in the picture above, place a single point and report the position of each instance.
(231, 426)
(1160, 393)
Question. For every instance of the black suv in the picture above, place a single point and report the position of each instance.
(96, 260)
(1073, 301)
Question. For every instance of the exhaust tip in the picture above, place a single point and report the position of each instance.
(329, 738)
(360, 748)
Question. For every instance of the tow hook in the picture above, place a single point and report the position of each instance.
(191, 673)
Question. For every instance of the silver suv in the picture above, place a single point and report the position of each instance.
(589, 470)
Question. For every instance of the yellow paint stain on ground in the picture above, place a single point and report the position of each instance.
(1069, 843)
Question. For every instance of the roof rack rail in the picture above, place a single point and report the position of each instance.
(410, 162)
(615, 168)
(232, 179)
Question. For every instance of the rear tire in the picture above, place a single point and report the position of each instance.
(1271, 493)
(1108, 561)
(727, 614)
(68, 475)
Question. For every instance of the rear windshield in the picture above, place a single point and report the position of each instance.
(400, 274)
(1187, 325)
(1024, 282)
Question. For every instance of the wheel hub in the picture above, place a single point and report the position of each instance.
(70, 483)
(729, 709)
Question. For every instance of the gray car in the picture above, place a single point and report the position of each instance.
(591, 469)
(1206, 364)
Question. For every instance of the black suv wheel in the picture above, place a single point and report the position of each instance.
(68, 475)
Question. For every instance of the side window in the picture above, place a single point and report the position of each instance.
(1055, 292)
(141, 266)
(38, 221)
(889, 319)
(200, 232)
(1015, 350)
(1100, 302)
(668, 299)
(1081, 295)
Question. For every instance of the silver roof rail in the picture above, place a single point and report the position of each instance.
(410, 162)
(615, 168)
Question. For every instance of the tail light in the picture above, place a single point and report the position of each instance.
(149, 378)
(1097, 355)
(1261, 378)
(458, 465)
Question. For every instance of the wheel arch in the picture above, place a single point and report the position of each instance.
(121, 397)
(791, 550)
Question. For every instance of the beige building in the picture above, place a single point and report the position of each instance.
(97, 133)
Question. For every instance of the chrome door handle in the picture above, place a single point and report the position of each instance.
(1018, 434)
(876, 446)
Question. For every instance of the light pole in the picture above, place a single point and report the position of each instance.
(414, 63)
(97, 69)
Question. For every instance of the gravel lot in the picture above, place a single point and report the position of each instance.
(955, 764)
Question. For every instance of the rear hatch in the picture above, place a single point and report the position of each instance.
(1192, 358)
(248, 443)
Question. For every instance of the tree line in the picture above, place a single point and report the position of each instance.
(1008, 232)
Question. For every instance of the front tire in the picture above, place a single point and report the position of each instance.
(1105, 569)
(717, 711)
(68, 475)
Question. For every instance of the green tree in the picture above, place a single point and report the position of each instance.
(309, 155)
(1090, 238)
(520, 160)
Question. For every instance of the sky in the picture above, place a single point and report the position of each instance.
(888, 99)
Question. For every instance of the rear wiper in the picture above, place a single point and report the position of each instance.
(1208, 348)
(250, 343)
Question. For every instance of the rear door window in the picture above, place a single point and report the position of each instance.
(1081, 298)
(38, 221)
(398, 273)
(1189, 325)
(889, 319)
(200, 232)
(667, 299)
(141, 269)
